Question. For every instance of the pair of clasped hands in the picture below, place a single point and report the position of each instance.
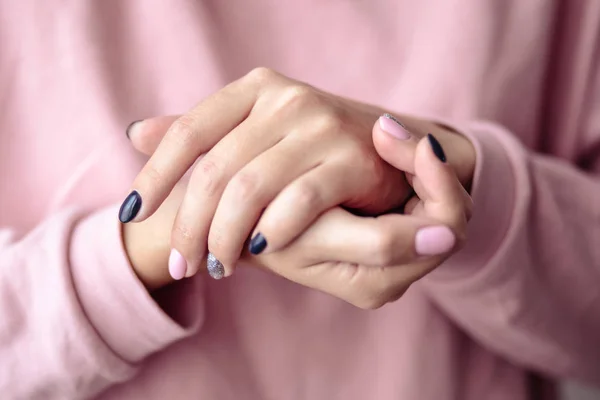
(329, 193)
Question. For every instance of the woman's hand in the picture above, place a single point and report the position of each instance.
(274, 147)
(363, 260)
(369, 261)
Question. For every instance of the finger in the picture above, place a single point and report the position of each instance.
(187, 138)
(386, 240)
(301, 202)
(208, 181)
(443, 196)
(395, 143)
(250, 191)
(146, 134)
(365, 261)
(437, 179)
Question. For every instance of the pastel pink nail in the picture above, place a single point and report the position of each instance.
(390, 125)
(177, 265)
(434, 240)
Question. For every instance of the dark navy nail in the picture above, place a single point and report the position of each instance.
(436, 147)
(130, 207)
(128, 130)
(258, 244)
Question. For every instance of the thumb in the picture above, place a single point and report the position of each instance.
(395, 143)
(146, 134)
(437, 186)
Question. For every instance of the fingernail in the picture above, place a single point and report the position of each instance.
(214, 266)
(434, 240)
(131, 127)
(177, 265)
(436, 147)
(389, 124)
(130, 207)
(257, 244)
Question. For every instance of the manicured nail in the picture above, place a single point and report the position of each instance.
(214, 266)
(257, 244)
(434, 240)
(131, 127)
(177, 265)
(389, 124)
(436, 147)
(130, 207)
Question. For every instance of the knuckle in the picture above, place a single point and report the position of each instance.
(369, 164)
(152, 176)
(208, 177)
(245, 185)
(182, 132)
(328, 122)
(296, 96)
(383, 291)
(397, 295)
(183, 235)
(370, 302)
(371, 289)
(261, 75)
(384, 248)
(306, 197)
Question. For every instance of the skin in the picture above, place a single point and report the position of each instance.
(365, 261)
(277, 154)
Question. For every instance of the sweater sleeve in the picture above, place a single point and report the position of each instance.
(527, 283)
(75, 318)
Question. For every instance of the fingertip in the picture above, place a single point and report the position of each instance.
(177, 265)
(132, 128)
(146, 134)
(429, 153)
(434, 240)
(437, 178)
(215, 268)
(394, 143)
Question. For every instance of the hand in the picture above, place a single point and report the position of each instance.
(370, 262)
(365, 261)
(274, 147)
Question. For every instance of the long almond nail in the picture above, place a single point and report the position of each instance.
(215, 269)
(177, 265)
(258, 244)
(130, 207)
(436, 147)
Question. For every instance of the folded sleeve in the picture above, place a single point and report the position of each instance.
(75, 318)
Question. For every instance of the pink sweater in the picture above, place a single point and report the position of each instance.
(522, 299)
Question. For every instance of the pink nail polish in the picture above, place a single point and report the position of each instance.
(177, 265)
(393, 127)
(434, 240)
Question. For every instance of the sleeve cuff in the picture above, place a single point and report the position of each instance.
(117, 304)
